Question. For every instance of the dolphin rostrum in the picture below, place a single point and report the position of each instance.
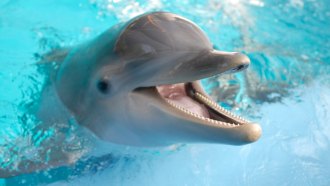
(137, 84)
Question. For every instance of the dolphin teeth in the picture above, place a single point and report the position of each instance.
(199, 116)
(220, 109)
(212, 105)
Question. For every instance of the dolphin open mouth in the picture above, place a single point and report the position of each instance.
(190, 99)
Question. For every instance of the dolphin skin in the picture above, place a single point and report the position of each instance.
(137, 84)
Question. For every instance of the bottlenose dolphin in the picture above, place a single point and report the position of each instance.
(138, 84)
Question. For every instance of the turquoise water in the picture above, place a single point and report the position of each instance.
(286, 90)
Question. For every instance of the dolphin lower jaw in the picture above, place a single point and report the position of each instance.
(211, 112)
(211, 122)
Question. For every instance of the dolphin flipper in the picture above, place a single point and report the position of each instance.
(57, 158)
(48, 108)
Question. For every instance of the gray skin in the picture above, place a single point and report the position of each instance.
(108, 86)
(153, 49)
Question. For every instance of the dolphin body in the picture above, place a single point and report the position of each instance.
(137, 84)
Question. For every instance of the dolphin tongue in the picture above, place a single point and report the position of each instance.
(176, 93)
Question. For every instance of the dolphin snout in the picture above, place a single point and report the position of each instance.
(251, 132)
(228, 62)
(239, 62)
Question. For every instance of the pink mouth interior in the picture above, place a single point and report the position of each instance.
(177, 94)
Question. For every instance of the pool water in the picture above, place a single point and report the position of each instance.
(286, 89)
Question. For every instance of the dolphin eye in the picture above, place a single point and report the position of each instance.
(103, 86)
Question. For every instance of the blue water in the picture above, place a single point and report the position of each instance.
(286, 90)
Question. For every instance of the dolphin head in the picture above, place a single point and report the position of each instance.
(137, 84)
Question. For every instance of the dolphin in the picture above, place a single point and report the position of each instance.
(137, 84)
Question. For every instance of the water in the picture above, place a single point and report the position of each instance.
(286, 90)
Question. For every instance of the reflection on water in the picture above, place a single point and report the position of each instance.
(285, 90)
